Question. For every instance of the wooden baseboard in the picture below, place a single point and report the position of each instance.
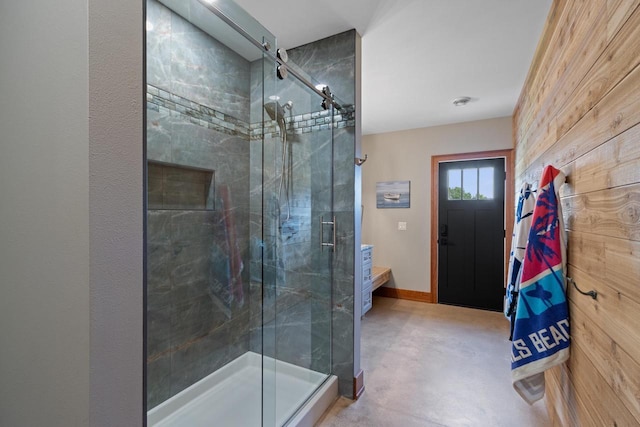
(404, 294)
(358, 385)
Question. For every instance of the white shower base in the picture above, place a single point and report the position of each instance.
(232, 396)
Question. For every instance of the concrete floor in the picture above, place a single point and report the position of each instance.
(434, 365)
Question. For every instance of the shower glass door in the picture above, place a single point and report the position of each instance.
(204, 104)
(299, 233)
(239, 223)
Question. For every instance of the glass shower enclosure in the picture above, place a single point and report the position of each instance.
(240, 222)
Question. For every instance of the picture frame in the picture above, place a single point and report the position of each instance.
(393, 194)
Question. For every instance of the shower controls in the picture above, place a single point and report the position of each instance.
(282, 55)
(282, 72)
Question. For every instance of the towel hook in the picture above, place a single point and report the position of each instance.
(359, 161)
(593, 294)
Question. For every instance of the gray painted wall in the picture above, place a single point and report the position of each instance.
(116, 211)
(406, 155)
(44, 217)
(71, 228)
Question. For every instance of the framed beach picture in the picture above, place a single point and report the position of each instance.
(393, 194)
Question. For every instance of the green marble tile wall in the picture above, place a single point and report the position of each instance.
(197, 125)
(201, 123)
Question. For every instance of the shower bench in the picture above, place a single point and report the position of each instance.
(380, 276)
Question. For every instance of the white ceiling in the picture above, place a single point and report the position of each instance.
(418, 55)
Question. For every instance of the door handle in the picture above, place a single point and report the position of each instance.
(332, 245)
(443, 241)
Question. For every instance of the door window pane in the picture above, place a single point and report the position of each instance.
(485, 191)
(454, 184)
(470, 184)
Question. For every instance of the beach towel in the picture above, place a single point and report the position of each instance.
(541, 330)
(521, 227)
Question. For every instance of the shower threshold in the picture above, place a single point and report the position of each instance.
(232, 396)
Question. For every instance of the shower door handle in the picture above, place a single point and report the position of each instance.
(332, 245)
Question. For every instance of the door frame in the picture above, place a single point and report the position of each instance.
(509, 197)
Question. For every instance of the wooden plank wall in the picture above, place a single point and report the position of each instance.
(580, 111)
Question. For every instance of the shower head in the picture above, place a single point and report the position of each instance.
(276, 112)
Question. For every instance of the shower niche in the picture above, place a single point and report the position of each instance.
(240, 174)
(173, 187)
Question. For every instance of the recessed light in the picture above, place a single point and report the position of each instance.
(274, 97)
(461, 101)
